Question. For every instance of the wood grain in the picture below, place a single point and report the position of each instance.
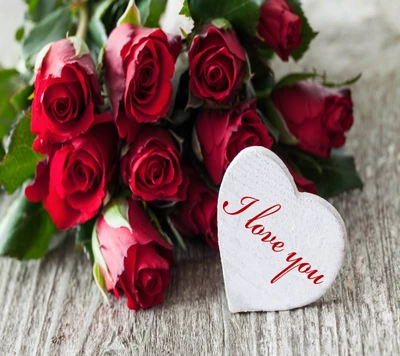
(52, 307)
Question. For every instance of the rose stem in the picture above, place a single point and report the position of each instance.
(83, 22)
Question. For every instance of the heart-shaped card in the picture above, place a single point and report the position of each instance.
(280, 249)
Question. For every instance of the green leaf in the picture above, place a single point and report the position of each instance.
(97, 31)
(185, 9)
(80, 46)
(39, 9)
(151, 11)
(181, 66)
(154, 219)
(131, 14)
(10, 83)
(343, 84)
(83, 237)
(307, 33)
(262, 76)
(276, 120)
(293, 78)
(332, 176)
(20, 161)
(19, 34)
(242, 14)
(20, 100)
(26, 229)
(176, 234)
(100, 282)
(52, 28)
(116, 214)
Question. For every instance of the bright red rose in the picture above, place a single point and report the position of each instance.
(197, 215)
(217, 64)
(139, 65)
(137, 259)
(152, 166)
(222, 134)
(66, 92)
(303, 184)
(279, 27)
(72, 181)
(318, 117)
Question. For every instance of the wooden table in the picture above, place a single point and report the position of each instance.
(52, 307)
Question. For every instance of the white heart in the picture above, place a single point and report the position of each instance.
(256, 182)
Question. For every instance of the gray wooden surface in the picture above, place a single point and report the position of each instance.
(51, 307)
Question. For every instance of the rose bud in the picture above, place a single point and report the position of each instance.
(134, 256)
(216, 64)
(279, 27)
(152, 166)
(318, 117)
(222, 134)
(303, 184)
(66, 92)
(139, 66)
(197, 215)
(72, 181)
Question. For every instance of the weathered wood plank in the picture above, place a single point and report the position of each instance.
(52, 307)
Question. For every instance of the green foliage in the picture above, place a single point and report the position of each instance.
(83, 237)
(131, 14)
(20, 161)
(331, 176)
(21, 99)
(51, 28)
(185, 9)
(275, 122)
(26, 229)
(243, 15)
(39, 9)
(348, 82)
(10, 83)
(151, 11)
(293, 78)
(307, 33)
(19, 33)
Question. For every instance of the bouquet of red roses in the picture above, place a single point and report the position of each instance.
(121, 132)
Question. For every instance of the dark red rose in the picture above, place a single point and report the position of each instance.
(279, 27)
(217, 64)
(140, 63)
(197, 215)
(222, 134)
(66, 92)
(138, 260)
(152, 166)
(72, 181)
(303, 184)
(318, 117)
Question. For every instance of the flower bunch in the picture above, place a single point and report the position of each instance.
(126, 130)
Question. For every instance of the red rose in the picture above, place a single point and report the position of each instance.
(152, 166)
(318, 117)
(66, 92)
(140, 63)
(197, 215)
(303, 184)
(137, 258)
(72, 181)
(217, 64)
(222, 134)
(279, 27)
